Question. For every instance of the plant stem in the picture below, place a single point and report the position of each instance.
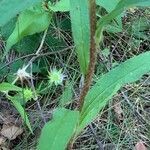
(91, 67)
(38, 50)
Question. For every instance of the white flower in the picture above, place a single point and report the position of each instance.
(56, 76)
(23, 74)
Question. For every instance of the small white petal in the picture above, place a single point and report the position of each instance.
(22, 74)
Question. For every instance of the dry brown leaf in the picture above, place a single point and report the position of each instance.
(118, 110)
(11, 131)
(140, 146)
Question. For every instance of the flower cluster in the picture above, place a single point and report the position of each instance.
(56, 76)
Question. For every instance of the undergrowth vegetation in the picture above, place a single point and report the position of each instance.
(74, 74)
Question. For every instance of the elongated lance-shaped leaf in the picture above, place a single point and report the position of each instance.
(127, 72)
(79, 12)
(5, 86)
(10, 8)
(21, 111)
(109, 5)
(57, 132)
(121, 6)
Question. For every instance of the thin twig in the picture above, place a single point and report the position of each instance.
(99, 143)
(37, 56)
(33, 58)
(38, 50)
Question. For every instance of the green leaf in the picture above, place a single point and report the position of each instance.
(79, 13)
(28, 44)
(121, 6)
(133, 3)
(127, 72)
(8, 28)
(10, 8)
(145, 3)
(66, 97)
(4, 86)
(113, 28)
(31, 21)
(21, 111)
(57, 132)
(109, 5)
(62, 5)
(24, 96)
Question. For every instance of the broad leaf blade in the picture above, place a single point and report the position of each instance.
(29, 22)
(79, 13)
(57, 132)
(5, 86)
(62, 5)
(110, 83)
(10, 8)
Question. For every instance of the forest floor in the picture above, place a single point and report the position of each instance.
(124, 124)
